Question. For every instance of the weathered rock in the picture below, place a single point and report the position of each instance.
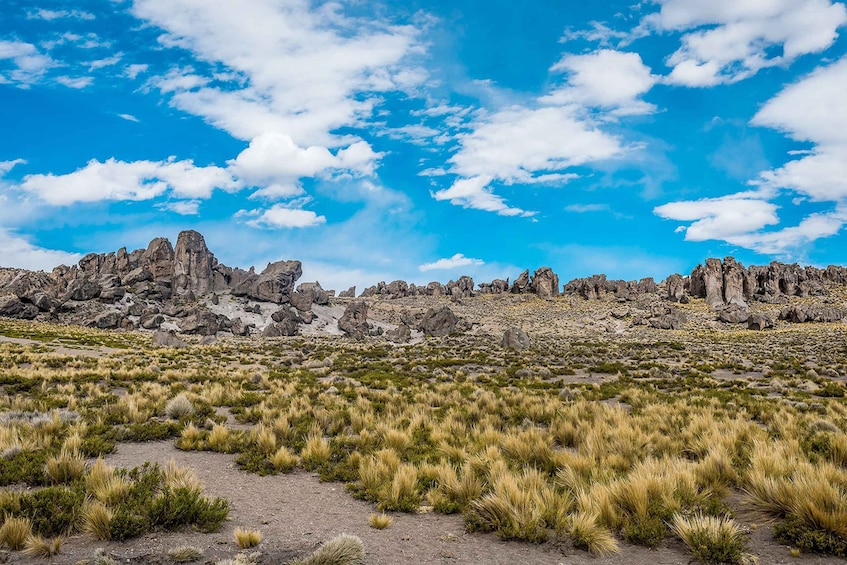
(168, 339)
(401, 334)
(82, 290)
(107, 320)
(670, 319)
(302, 299)
(521, 284)
(241, 328)
(203, 322)
(733, 282)
(397, 289)
(799, 314)
(192, 264)
(713, 282)
(13, 307)
(439, 322)
(136, 276)
(349, 293)
(675, 287)
(515, 338)
(158, 258)
(286, 323)
(354, 321)
(152, 321)
(319, 295)
(759, 322)
(733, 313)
(545, 283)
(275, 284)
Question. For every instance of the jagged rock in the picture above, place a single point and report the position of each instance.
(515, 338)
(203, 322)
(152, 321)
(354, 321)
(545, 283)
(13, 307)
(208, 340)
(799, 314)
(83, 289)
(158, 258)
(302, 299)
(713, 282)
(733, 282)
(192, 264)
(620, 313)
(274, 284)
(168, 339)
(397, 289)
(136, 276)
(240, 328)
(286, 323)
(733, 313)
(669, 319)
(107, 320)
(375, 331)
(349, 293)
(319, 295)
(462, 288)
(439, 322)
(675, 287)
(110, 288)
(434, 289)
(521, 284)
(759, 322)
(401, 334)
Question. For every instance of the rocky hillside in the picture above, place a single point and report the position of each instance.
(184, 289)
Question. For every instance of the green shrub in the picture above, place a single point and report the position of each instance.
(53, 511)
(794, 531)
(25, 467)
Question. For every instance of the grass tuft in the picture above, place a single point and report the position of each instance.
(185, 554)
(711, 539)
(37, 546)
(380, 521)
(247, 538)
(14, 532)
(340, 550)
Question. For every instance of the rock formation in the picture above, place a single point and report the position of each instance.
(515, 338)
(354, 322)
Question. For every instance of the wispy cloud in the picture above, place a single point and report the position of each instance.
(454, 262)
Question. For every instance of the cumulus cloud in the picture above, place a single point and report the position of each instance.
(726, 41)
(28, 65)
(20, 253)
(182, 207)
(810, 110)
(454, 262)
(722, 218)
(137, 180)
(539, 141)
(613, 80)
(302, 70)
(280, 216)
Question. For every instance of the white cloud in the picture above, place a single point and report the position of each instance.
(132, 71)
(6, 166)
(789, 239)
(279, 216)
(50, 15)
(182, 207)
(75, 82)
(475, 193)
(29, 64)
(128, 117)
(275, 161)
(454, 262)
(723, 218)
(608, 79)
(20, 253)
(517, 143)
(304, 69)
(138, 180)
(725, 41)
(106, 62)
(586, 208)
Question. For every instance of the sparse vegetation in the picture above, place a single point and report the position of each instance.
(185, 554)
(340, 550)
(247, 538)
(380, 521)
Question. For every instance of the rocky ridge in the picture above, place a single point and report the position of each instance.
(183, 288)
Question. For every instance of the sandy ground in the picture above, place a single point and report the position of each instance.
(296, 513)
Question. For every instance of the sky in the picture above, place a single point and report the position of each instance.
(423, 140)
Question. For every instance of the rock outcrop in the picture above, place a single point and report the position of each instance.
(354, 321)
(515, 338)
(439, 322)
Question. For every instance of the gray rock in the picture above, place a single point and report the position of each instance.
(192, 264)
(107, 320)
(286, 322)
(521, 284)
(733, 313)
(13, 307)
(349, 293)
(439, 322)
(401, 334)
(302, 299)
(545, 283)
(275, 284)
(713, 282)
(152, 321)
(670, 319)
(354, 321)
(759, 322)
(240, 328)
(168, 339)
(515, 338)
(203, 322)
(676, 287)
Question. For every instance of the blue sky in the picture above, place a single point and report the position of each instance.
(423, 140)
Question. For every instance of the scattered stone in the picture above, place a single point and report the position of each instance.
(515, 338)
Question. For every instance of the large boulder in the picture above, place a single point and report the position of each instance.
(274, 284)
(759, 322)
(82, 290)
(545, 283)
(158, 258)
(669, 318)
(192, 264)
(439, 322)
(13, 307)
(107, 320)
(168, 339)
(354, 321)
(713, 282)
(203, 322)
(675, 287)
(286, 322)
(401, 334)
(302, 299)
(733, 313)
(733, 282)
(515, 338)
(521, 284)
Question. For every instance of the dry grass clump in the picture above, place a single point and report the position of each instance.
(586, 533)
(65, 467)
(185, 554)
(380, 521)
(219, 439)
(247, 538)
(710, 538)
(316, 452)
(179, 406)
(283, 460)
(340, 550)
(37, 546)
(14, 532)
(97, 520)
